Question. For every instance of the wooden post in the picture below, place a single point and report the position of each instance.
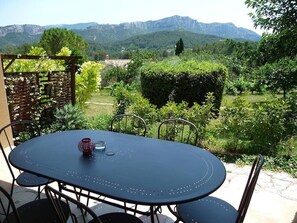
(73, 71)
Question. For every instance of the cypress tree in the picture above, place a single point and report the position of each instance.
(179, 47)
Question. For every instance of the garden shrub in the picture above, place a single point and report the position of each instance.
(173, 110)
(101, 122)
(188, 81)
(88, 81)
(69, 117)
(157, 86)
(123, 97)
(268, 126)
(234, 123)
(201, 115)
(265, 127)
(287, 147)
(142, 107)
(241, 85)
(230, 88)
(291, 114)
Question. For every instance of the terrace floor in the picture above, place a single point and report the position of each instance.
(274, 199)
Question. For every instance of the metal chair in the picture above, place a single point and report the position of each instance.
(128, 123)
(34, 211)
(82, 213)
(211, 209)
(21, 131)
(179, 130)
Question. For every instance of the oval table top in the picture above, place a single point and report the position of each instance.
(134, 169)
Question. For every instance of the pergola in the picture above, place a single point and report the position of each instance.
(35, 93)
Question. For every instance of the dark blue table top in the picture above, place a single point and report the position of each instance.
(142, 170)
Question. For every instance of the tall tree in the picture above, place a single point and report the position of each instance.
(280, 75)
(280, 18)
(53, 40)
(179, 47)
(277, 51)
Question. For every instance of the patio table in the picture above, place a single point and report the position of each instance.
(132, 169)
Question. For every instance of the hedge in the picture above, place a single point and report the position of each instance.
(188, 81)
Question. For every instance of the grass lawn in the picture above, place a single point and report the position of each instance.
(100, 104)
(102, 97)
(252, 98)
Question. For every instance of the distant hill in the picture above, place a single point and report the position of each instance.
(130, 34)
(110, 33)
(164, 40)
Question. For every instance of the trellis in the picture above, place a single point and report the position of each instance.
(35, 94)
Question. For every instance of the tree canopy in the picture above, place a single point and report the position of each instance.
(275, 15)
(53, 40)
(277, 51)
(279, 17)
(280, 75)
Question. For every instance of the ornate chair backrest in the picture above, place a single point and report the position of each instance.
(79, 212)
(178, 130)
(128, 123)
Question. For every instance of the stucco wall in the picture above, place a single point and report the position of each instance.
(4, 113)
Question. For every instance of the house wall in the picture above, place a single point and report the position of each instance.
(4, 113)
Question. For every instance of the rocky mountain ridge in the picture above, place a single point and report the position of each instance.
(225, 30)
(106, 36)
(26, 29)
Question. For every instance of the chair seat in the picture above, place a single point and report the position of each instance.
(118, 217)
(207, 210)
(42, 209)
(26, 179)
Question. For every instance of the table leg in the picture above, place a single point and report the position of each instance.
(152, 214)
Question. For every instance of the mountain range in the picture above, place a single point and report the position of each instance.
(16, 35)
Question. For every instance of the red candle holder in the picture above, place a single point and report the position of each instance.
(86, 146)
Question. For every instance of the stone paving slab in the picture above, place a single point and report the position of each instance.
(274, 199)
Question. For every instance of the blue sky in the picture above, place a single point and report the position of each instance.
(49, 12)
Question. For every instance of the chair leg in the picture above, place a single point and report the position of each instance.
(87, 201)
(11, 193)
(39, 191)
(12, 187)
